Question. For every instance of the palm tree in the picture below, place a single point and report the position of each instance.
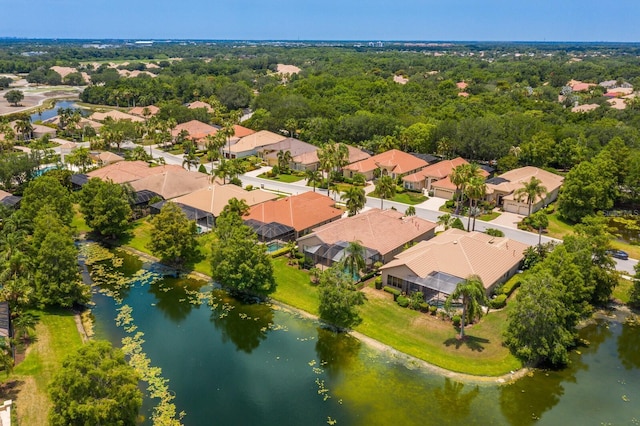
(355, 200)
(326, 158)
(239, 207)
(353, 259)
(446, 220)
(475, 190)
(284, 158)
(24, 127)
(190, 158)
(6, 356)
(539, 220)
(410, 211)
(471, 292)
(292, 249)
(532, 190)
(385, 188)
(23, 324)
(314, 177)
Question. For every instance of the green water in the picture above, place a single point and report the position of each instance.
(241, 364)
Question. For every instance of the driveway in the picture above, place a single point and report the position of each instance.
(508, 220)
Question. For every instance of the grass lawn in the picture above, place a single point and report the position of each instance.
(411, 198)
(78, 222)
(282, 178)
(433, 340)
(489, 216)
(621, 291)
(57, 337)
(558, 227)
(633, 250)
(294, 287)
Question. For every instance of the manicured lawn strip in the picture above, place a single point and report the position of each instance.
(434, 341)
(57, 337)
(621, 291)
(282, 178)
(489, 216)
(294, 287)
(406, 198)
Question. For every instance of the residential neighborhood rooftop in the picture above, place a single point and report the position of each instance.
(213, 198)
(395, 160)
(128, 171)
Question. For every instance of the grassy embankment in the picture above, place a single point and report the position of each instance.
(408, 331)
(56, 338)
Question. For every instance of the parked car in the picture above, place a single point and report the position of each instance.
(618, 254)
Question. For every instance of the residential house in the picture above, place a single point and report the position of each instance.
(250, 144)
(435, 267)
(197, 131)
(115, 115)
(293, 216)
(38, 131)
(579, 86)
(295, 147)
(200, 104)
(104, 158)
(173, 183)
(383, 233)
(425, 178)
(501, 189)
(140, 110)
(310, 161)
(394, 163)
(128, 171)
(215, 197)
(9, 200)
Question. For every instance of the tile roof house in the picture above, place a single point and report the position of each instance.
(139, 111)
(200, 104)
(115, 115)
(104, 158)
(436, 177)
(213, 198)
(240, 131)
(197, 130)
(384, 233)
(295, 147)
(128, 171)
(436, 266)
(300, 213)
(172, 183)
(394, 162)
(500, 189)
(250, 144)
(579, 86)
(310, 161)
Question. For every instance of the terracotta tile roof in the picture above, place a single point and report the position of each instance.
(399, 162)
(240, 131)
(461, 254)
(514, 179)
(173, 183)
(128, 171)
(196, 129)
(461, 85)
(301, 212)
(153, 110)
(114, 114)
(294, 146)
(256, 140)
(444, 184)
(213, 198)
(107, 157)
(381, 230)
(439, 170)
(200, 104)
(579, 86)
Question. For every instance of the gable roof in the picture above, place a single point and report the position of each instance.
(241, 131)
(172, 183)
(213, 198)
(514, 179)
(294, 146)
(254, 141)
(298, 211)
(153, 110)
(196, 129)
(200, 104)
(381, 230)
(106, 157)
(439, 170)
(116, 115)
(128, 171)
(399, 162)
(460, 253)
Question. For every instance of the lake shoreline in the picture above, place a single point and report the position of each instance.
(371, 342)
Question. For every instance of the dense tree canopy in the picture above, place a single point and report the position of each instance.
(105, 207)
(339, 299)
(95, 386)
(173, 236)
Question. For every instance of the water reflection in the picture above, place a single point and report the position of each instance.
(336, 351)
(176, 297)
(246, 325)
(451, 399)
(629, 347)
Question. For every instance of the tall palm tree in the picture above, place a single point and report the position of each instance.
(326, 158)
(531, 190)
(475, 190)
(284, 158)
(314, 177)
(472, 294)
(385, 188)
(410, 211)
(24, 127)
(223, 170)
(355, 200)
(539, 220)
(446, 220)
(240, 207)
(353, 259)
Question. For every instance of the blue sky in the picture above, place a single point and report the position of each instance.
(484, 20)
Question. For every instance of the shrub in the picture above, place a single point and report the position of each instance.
(275, 170)
(249, 187)
(415, 299)
(450, 204)
(509, 287)
(392, 290)
(378, 283)
(424, 307)
(403, 301)
(550, 209)
(279, 252)
(494, 232)
(499, 302)
(368, 275)
(433, 309)
(456, 320)
(457, 224)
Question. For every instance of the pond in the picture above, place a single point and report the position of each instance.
(232, 363)
(52, 112)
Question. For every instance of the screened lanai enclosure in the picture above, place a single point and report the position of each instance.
(271, 231)
(204, 220)
(436, 286)
(327, 254)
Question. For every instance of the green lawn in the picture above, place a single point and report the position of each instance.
(294, 287)
(282, 178)
(489, 216)
(558, 227)
(57, 337)
(411, 198)
(78, 222)
(621, 291)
